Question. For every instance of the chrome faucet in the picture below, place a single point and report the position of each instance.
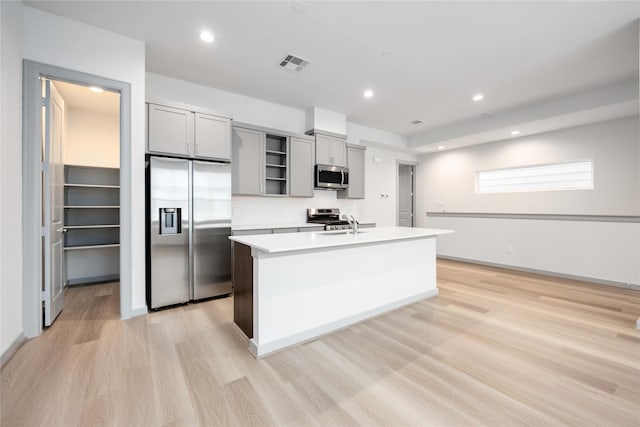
(352, 222)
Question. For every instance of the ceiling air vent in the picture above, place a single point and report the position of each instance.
(294, 63)
(416, 122)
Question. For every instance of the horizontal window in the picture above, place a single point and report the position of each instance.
(560, 176)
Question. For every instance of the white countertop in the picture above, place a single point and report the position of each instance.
(274, 243)
(272, 226)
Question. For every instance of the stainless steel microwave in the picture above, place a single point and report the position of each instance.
(332, 177)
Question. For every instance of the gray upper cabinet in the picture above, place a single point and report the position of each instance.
(355, 163)
(170, 130)
(330, 150)
(271, 162)
(301, 167)
(212, 137)
(248, 164)
(323, 150)
(185, 133)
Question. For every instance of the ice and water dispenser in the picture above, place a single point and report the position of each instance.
(170, 220)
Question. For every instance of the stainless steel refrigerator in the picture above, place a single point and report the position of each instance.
(188, 228)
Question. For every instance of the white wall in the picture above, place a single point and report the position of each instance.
(448, 178)
(358, 134)
(10, 173)
(273, 210)
(62, 42)
(381, 185)
(380, 202)
(243, 108)
(92, 138)
(42, 37)
(606, 251)
(286, 210)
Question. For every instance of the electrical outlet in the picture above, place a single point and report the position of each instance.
(509, 249)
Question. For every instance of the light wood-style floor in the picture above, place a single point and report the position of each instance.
(495, 348)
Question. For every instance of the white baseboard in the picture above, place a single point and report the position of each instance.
(545, 273)
(12, 349)
(258, 351)
(140, 311)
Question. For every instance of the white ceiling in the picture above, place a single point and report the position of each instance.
(80, 97)
(441, 53)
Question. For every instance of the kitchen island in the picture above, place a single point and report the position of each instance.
(290, 288)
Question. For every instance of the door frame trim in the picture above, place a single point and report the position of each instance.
(414, 165)
(32, 186)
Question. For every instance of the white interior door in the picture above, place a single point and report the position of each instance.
(405, 195)
(53, 195)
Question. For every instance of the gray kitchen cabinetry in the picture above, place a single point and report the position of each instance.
(251, 232)
(247, 167)
(92, 224)
(301, 167)
(187, 133)
(170, 130)
(276, 230)
(212, 137)
(330, 150)
(355, 163)
(261, 162)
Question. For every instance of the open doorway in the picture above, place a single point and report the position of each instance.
(81, 190)
(74, 203)
(405, 216)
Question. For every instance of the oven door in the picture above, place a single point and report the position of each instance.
(331, 177)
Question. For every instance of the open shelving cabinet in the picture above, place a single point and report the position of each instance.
(276, 165)
(92, 224)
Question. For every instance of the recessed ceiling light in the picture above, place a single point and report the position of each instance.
(96, 89)
(368, 93)
(478, 97)
(515, 132)
(440, 147)
(299, 7)
(206, 36)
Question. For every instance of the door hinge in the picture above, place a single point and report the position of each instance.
(44, 166)
(43, 231)
(43, 295)
(44, 101)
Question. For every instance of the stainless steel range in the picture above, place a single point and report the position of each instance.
(329, 217)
